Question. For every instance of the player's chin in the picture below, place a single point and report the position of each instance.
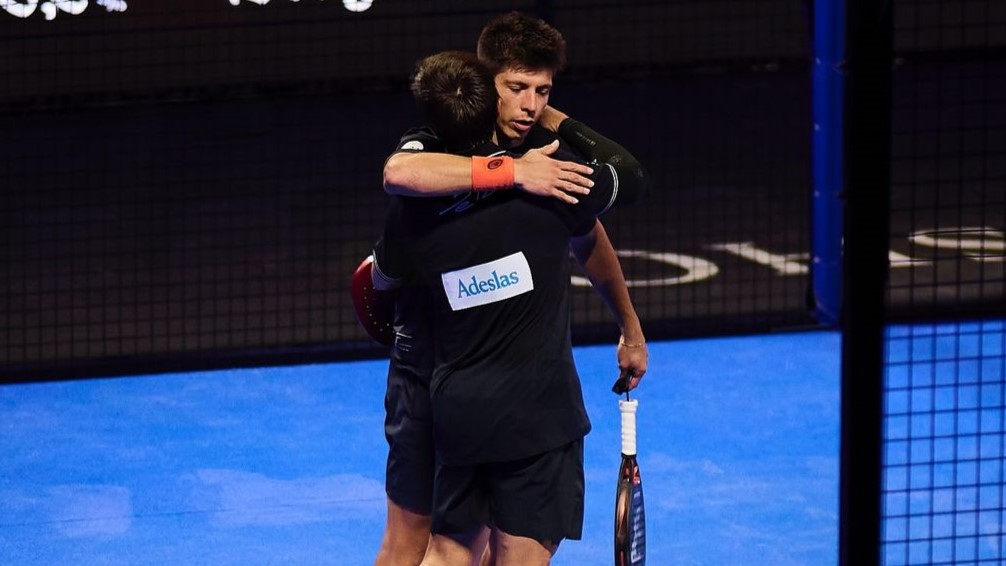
(514, 137)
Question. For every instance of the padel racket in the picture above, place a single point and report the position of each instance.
(630, 519)
(374, 309)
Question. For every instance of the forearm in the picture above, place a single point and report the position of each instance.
(588, 142)
(634, 181)
(597, 257)
(427, 174)
(440, 174)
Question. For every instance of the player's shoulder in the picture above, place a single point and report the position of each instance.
(420, 139)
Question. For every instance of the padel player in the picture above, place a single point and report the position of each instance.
(512, 44)
(507, 408)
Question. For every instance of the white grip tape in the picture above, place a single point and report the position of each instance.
(628, 409)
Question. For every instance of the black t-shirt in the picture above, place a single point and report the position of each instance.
(412, 352)
(496, 269)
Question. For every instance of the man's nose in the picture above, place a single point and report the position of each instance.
(529, 102)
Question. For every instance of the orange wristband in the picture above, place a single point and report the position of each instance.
(491, 173)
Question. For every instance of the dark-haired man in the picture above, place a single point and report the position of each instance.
(506, 403)
(524, 53)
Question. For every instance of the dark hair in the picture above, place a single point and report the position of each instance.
(521, 42)
(457, 95)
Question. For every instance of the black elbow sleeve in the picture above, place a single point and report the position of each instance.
(645, 183)
(595, 146)
(634, 183)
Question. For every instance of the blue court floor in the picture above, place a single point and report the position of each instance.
(738, 447)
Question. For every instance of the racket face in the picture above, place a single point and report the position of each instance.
(630, 517)
(623, 502)
(637, 523)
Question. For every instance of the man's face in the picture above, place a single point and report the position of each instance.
(522, 96)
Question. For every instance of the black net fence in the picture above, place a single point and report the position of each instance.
(191, 184)
(945, 388)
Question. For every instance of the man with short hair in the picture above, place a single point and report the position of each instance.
(524, 53)
(507, 408)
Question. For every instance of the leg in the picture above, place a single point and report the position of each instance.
(409, 474)
(485, 557)
(536, 502)
(460, 513)
(510, 550)
(406, 537)
(454, 550)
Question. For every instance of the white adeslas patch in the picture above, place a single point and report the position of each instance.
(489, 282)
(413, 145)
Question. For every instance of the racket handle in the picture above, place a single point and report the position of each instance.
(628, 410)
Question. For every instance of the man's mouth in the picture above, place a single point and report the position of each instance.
(522, 125)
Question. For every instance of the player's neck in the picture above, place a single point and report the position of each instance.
(505, 142)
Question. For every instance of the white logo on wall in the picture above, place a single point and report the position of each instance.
(49, 8)
(351, 5)
(975, 244)
(357, 5)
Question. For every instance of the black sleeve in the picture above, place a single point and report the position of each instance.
(613, 186)
(391, 260)
(634, 182)
(606, 193)
(593, 145)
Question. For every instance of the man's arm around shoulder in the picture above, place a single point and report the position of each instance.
(408, 173)
(426, 174)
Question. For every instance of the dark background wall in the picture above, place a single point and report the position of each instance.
(190, 184)
(165, 45)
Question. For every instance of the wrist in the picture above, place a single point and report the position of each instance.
(623, 342)
(492, 173)
(632, 330)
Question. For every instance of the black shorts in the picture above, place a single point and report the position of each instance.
(539, 497)
(408, 426)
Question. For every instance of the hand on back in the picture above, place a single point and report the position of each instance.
(539, 174)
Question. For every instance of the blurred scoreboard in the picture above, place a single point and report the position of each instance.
(81, 47)
(73, 47)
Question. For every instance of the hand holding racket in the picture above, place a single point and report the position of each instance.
(630, 519)
(632, 362)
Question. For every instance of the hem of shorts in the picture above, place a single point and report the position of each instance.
(509, 458)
